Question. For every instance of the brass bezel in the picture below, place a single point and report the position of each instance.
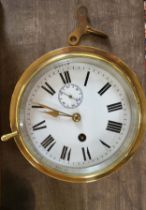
(68, 52)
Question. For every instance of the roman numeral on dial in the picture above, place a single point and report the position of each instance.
(48, 143)
(40, 125)
(65, 154)
(86, 154)
(48, 88)
(87, 77)
(105, 144)
(36, 106)
(65, 77)
(114, 107)
(104, 89)
(114, 126)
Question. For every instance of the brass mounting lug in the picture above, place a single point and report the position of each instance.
(83, 27)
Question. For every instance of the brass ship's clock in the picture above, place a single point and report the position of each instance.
(78, 113)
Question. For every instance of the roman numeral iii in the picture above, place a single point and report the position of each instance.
(114, 107)
(40, 125)
(65, 77)
(48, 88)
(114, 126)
(86, 154)
(48, 142)
(65, 154)
(104, 89)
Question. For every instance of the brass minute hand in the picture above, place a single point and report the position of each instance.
(53, 112)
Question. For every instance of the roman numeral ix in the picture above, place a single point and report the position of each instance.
(48, 88)
(114, 126)
(65, 154)
(48, 143)
(104, 89)
(86, 154)
(40, 125)
(65, 77)
(114, 107)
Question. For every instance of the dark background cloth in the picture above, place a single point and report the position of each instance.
(30, 28)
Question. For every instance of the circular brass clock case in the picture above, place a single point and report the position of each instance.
(71, 52)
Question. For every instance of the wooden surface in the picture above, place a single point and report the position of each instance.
(30, 28)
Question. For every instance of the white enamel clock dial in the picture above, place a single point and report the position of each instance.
(107, 109)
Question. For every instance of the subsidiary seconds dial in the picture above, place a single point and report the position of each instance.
(70, 95)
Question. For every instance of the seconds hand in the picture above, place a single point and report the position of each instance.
(70, 96)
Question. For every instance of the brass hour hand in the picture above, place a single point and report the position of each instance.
(53, 112)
